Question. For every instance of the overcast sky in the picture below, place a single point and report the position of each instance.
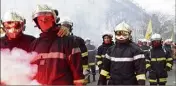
(163, 6)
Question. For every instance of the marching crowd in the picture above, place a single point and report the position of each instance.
(66, 59)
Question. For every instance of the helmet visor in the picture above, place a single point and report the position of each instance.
(121, 33)
(43, 14)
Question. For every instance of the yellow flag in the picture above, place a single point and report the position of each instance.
(149, 30)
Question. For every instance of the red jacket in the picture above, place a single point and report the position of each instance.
(58, 60)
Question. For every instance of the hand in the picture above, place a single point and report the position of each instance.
(64, 31)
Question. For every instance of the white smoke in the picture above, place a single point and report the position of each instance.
(16, 68)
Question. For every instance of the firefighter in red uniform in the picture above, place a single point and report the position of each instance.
(58, 58)
(124, 61)
(158, 61)
(84, 53)
(13, 26)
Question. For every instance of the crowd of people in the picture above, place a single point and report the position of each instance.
(66, 59)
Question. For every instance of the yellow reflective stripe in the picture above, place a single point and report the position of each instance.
(108, 77)
(99, 62)
(169, 65)
(169, 59)
(162, 79)
(161, 59)
(85, 67)
(91, 63)
(147, 65)
(152, 80)
(79, 81)
(103, 56)
(158, 59)
(140, 77)
(84, 54)
(98, 56)
(153, 59)
(147, 60)
(104, 73)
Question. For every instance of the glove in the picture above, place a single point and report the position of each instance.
(64, 31)
(141, 82)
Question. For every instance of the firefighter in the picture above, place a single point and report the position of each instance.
(84, 53)
(124, 61)
(144, 45)
(91, 58)
(107, 42)
(159, 61)
(58, 58)
(13, 26)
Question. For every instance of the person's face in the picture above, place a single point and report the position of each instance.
(107, 40)
(45, 21)
(144, 43)
(13, 28)
(156, 43)
(122, 36)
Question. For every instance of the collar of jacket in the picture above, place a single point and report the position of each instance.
(49, 34)
(16, 39)
(158, 47)
(122, 44)
(109, 44)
